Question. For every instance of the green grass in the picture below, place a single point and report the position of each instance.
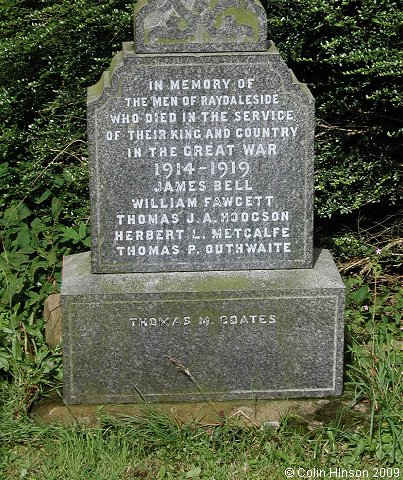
(154, 446)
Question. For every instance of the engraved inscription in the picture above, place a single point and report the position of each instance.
(211, 168)
(223, 320)
(203, 185)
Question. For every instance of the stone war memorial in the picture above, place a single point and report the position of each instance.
(202, 282)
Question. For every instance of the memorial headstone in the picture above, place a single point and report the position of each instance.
(202, 282)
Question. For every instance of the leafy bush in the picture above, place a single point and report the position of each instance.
(373, 318)
(349, 52)
(49, 53)
(30, 267)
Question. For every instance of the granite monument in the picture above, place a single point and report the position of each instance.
(202, 282)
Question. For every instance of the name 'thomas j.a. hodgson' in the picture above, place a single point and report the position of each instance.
(206, 218)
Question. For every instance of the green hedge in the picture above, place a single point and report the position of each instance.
(350, 54)
(50, 51)
(347, 51)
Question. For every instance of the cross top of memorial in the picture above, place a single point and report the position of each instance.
(175, 26)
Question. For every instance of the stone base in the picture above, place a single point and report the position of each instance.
(53, 317)
(197, 336)
(311, 413)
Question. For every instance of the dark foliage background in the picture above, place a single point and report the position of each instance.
(350, 55)
(348, 52)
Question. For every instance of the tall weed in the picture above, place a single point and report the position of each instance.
(375, 369)
(30, 268)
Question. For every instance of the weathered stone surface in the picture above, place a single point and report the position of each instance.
(195, 335)
(199, 26)
(53, 317)
(200, 163)
(202, 283)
